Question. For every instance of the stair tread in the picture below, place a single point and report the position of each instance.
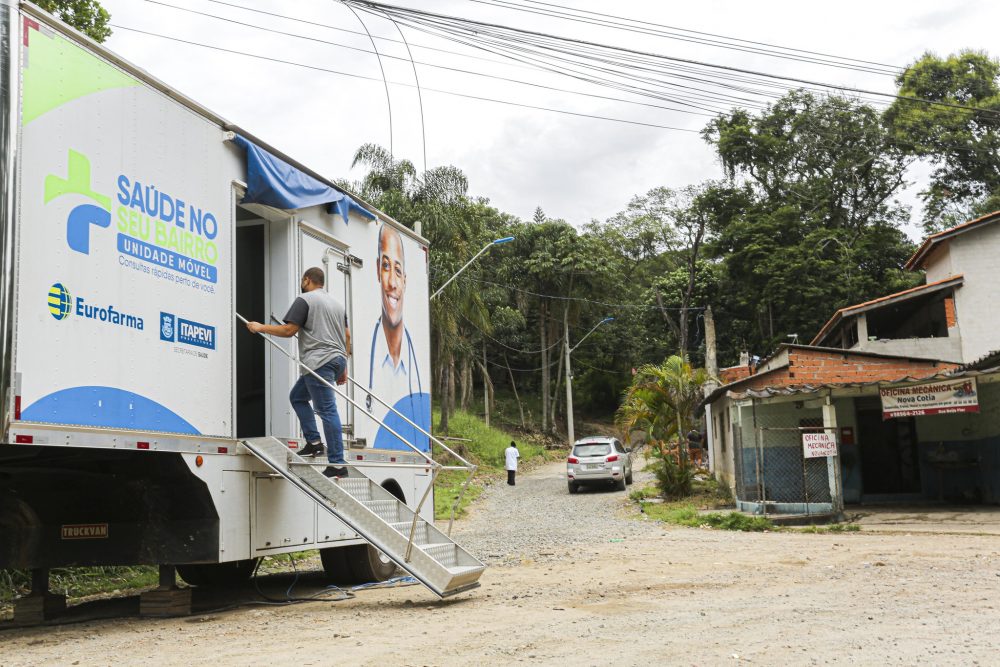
(351, 499)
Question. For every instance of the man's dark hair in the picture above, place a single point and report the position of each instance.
(315, 275)
(513, 444)
(402, 250)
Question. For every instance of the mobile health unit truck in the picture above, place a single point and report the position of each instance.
(142, 422)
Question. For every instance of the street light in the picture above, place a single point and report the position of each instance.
(569, 375)
(506, 239)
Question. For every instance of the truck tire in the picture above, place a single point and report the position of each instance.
(573, 488)
(620, 484)
(356, 564)
(368, 564)
(335, 565)
(211, 575)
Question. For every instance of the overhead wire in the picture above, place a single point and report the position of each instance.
(410, 59)
(459, 24)
(397, 83)
(709, 34)
(630, 90)
(557, 297)
(761, 48)
(385, 81)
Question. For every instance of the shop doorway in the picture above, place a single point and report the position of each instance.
(888, 449)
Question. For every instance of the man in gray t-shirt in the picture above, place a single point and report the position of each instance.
(324, 345)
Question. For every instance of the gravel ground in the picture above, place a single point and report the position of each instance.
(538, 519)
(573, 580)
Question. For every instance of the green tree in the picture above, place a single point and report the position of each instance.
(963, 144)
(87, 16)
(811, 222)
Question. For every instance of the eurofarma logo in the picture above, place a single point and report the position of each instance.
(177, 329)
(61, 304)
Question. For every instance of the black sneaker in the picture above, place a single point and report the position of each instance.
(312, 449)
(331, 471)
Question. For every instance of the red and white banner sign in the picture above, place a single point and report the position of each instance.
(818, 445)
(934, 398)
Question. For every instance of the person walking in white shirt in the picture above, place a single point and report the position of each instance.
(511, 455)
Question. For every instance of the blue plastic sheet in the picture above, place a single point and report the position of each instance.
(273, 182)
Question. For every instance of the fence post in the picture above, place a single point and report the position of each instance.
(758, 456)
(833, 462)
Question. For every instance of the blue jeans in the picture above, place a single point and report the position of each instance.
(324, 403)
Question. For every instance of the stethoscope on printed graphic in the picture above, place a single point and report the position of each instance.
(411, 359)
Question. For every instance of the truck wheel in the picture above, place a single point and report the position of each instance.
(368, 564)
(620, 484)
(356, 564)
(573, 488)
(628, 477)
(209, 575)
(335, 565)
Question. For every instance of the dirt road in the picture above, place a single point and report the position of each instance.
(627, 592)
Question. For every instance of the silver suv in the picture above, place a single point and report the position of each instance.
(598, 460)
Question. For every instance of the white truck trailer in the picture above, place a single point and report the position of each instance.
(142, 422)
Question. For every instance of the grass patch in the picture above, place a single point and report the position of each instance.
(447, 489)
(832, 528)
(78, 582)
(486, 449)
(688, 515)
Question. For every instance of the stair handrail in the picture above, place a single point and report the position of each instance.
(431, 462)
(433, 438)
(435, 466)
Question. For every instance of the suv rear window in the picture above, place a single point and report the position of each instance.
(598, 449)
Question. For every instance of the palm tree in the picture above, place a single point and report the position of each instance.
(661, 400)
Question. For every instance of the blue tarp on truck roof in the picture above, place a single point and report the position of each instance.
(273, 182)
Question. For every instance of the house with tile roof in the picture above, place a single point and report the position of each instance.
(950, 317)
(902, 393)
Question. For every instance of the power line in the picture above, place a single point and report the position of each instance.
(732, 43)
(478, 27)
(415, 62)
(556, 297)
(408, 85)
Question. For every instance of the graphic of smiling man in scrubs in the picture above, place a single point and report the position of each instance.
(393, 373)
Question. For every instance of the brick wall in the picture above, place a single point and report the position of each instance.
(733, 373)
(826, 367)
(949, 312)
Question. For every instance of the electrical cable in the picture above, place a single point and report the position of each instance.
(395, 83)
(385, 81)
(556, 297)
(481, 26)
(420, 96)
(754, 47)
(501, 344)
(709, 34)
(417, 62)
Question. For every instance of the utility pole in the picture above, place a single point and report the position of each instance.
(711, 360)
(569, 382)
(569, 373)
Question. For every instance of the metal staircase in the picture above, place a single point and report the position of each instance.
(412, 543)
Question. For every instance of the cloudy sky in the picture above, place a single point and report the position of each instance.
(574, 167)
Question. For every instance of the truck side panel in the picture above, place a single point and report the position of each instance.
(125, 250)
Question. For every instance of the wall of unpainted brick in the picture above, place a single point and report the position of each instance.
(815, 367)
